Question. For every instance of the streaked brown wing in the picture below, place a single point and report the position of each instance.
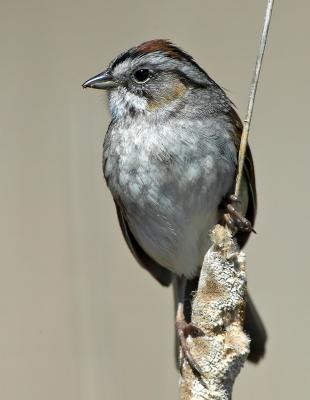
(248, 171)
(249, 175)
(163, 275)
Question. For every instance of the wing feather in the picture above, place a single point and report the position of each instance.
(249, 177)
(163, 275)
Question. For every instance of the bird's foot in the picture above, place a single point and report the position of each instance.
(233, 217)
(184, 330)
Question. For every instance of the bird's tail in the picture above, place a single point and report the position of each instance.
(254, 327)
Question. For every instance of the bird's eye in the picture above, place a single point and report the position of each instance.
(142, 75)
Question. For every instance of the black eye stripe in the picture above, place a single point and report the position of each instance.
(142, 75)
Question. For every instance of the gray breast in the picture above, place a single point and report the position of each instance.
(169, 180)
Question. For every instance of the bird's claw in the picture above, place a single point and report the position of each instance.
(233, 217)
(184, 330)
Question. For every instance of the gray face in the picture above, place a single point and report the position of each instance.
(148, 82)
(145, 86)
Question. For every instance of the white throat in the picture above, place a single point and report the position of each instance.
(122, 101)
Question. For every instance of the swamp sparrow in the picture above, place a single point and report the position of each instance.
(169, 160)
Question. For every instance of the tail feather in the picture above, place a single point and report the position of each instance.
(254, 327)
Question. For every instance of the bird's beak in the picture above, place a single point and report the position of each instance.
(104, 80)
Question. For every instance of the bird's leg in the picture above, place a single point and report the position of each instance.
(184, 329)
(233, 217)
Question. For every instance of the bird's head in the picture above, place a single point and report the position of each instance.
(153, 76)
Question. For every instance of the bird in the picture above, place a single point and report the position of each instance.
(170, 160)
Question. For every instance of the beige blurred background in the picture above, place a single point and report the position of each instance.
(79, 319)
